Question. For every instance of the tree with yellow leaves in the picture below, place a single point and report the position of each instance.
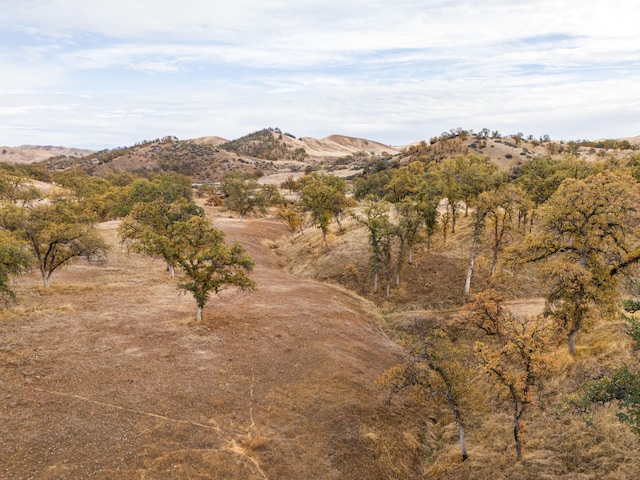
(588, 235)
(436, 372)
(519, 366)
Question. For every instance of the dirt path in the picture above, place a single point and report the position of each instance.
(107, 376)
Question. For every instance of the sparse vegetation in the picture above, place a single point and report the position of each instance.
(465, 209)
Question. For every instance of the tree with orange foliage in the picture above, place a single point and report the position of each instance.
(436, 372)
(519, 366)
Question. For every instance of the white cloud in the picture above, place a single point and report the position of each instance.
(117, 72)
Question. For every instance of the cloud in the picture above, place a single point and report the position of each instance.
(116, 72)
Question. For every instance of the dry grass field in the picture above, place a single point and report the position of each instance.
(108, 376)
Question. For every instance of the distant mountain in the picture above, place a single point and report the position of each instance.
(208, 159)
(37, 153)
(275, 154)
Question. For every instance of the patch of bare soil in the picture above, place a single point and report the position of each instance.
(107, 376)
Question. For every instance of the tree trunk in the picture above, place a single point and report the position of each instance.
(172, 270)
(199, 314)
(463, 443)
(572, 340)
(494, 263)
(46, 280)
(375, 281)
(474, 252)
(516, 436)
(293, 237)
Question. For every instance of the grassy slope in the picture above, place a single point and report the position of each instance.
(430, 292)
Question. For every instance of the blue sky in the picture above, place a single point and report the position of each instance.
(97, 74)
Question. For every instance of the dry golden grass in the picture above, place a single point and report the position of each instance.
(555, 446)
(107, 375)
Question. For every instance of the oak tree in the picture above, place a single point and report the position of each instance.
(587, 237)
(519, 366)
(57, 233)
(207, 264)
(146, 228)
(436, 371)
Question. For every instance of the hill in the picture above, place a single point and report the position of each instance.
(108, 376)
(274, 154)
(36, 153)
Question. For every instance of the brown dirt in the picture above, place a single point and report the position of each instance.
(108, 376)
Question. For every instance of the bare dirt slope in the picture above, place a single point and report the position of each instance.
(108, 377)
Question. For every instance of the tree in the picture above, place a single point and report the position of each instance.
(519, 366)
(618, 386)
(452, 189)
(479, 219)
(404, 182)
(291, 218)
(487, 312)
(207, 264)
(146, 228)
(14, 259)
(58, 234)
(324, 197)
(409, 221)
(15, 187)
(501, 206)
(375, 217)
(289, 184)
(243, 195)
(166, 187)
(428, 196)
(587, 238)
(436, 371)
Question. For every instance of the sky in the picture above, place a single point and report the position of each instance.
(102, 74)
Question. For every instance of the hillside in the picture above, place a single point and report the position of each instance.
(36, 153)
(108, 376)
(273, 154)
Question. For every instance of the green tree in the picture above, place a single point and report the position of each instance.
(289, 184)
(620, 386)
(206, 263)
(501, 205)
(15, 187)
(404, 182)
(164, 187)
(479, 221)
(428, 197)
(324, 197)
(450, 173)
(146, 228)
(14, 260)
(375, 217)
(58, 234)
(410, 219)
(243, 195)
